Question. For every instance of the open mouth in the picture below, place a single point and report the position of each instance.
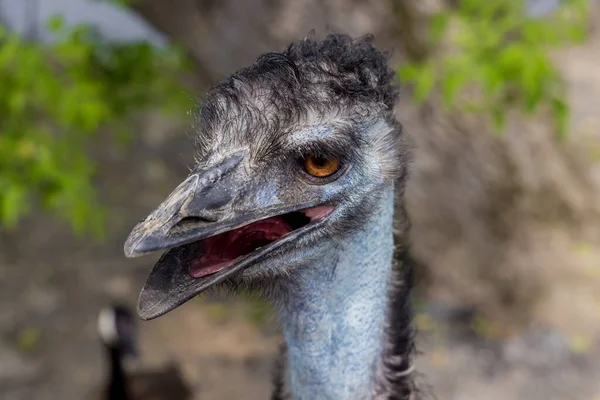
(221, 251)
(187, 269)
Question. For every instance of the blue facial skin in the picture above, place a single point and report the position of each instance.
(335, 309)
(267, 195)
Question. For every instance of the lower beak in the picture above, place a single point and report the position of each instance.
(169, 284)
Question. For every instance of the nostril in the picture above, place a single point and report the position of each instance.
(194, 222)
(201, 217)
(205, 203)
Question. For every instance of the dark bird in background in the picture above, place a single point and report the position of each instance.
(117, 330)
(301, 166)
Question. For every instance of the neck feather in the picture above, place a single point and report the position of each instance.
(335, 313)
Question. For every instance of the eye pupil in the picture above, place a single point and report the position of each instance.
(320, 161)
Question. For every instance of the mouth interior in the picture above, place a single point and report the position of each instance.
(225, 249)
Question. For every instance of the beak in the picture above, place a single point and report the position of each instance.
(197, 202)
(199, 207)
(220, 199)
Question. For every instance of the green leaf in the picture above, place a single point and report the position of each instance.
(56, 23)
(12, 204)
(498, 118)
(451, 84)
(122, 3)
(28, 339)
(500, 53)
(408, 72)
(560, 112)
(17, 102)
(493, 81)
(424, 83)
(53, 101)
(439, 22)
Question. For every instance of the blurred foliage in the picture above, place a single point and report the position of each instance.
(217, 312)
(492, 57)
(579, 344)
(253, 308)
(425, 322)
(122, 3)
(53, 101)
(28, 339)
(258, 310)
(487, 328)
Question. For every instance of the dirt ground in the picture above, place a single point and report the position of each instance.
(53, 284)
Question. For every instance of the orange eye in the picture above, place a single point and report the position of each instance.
(321, 167)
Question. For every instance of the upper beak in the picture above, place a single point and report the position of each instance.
(192, 211)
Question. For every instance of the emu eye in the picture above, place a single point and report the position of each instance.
(321, 167)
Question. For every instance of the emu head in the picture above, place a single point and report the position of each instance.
(292, 153)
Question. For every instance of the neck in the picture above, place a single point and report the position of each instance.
(117, 388)
(335, 313)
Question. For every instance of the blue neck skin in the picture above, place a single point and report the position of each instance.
(335, 311)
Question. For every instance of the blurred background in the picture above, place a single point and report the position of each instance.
(500, 98)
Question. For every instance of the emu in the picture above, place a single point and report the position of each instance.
(301, 166)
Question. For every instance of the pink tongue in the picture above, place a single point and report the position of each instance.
(318, 212)
(223, 250)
